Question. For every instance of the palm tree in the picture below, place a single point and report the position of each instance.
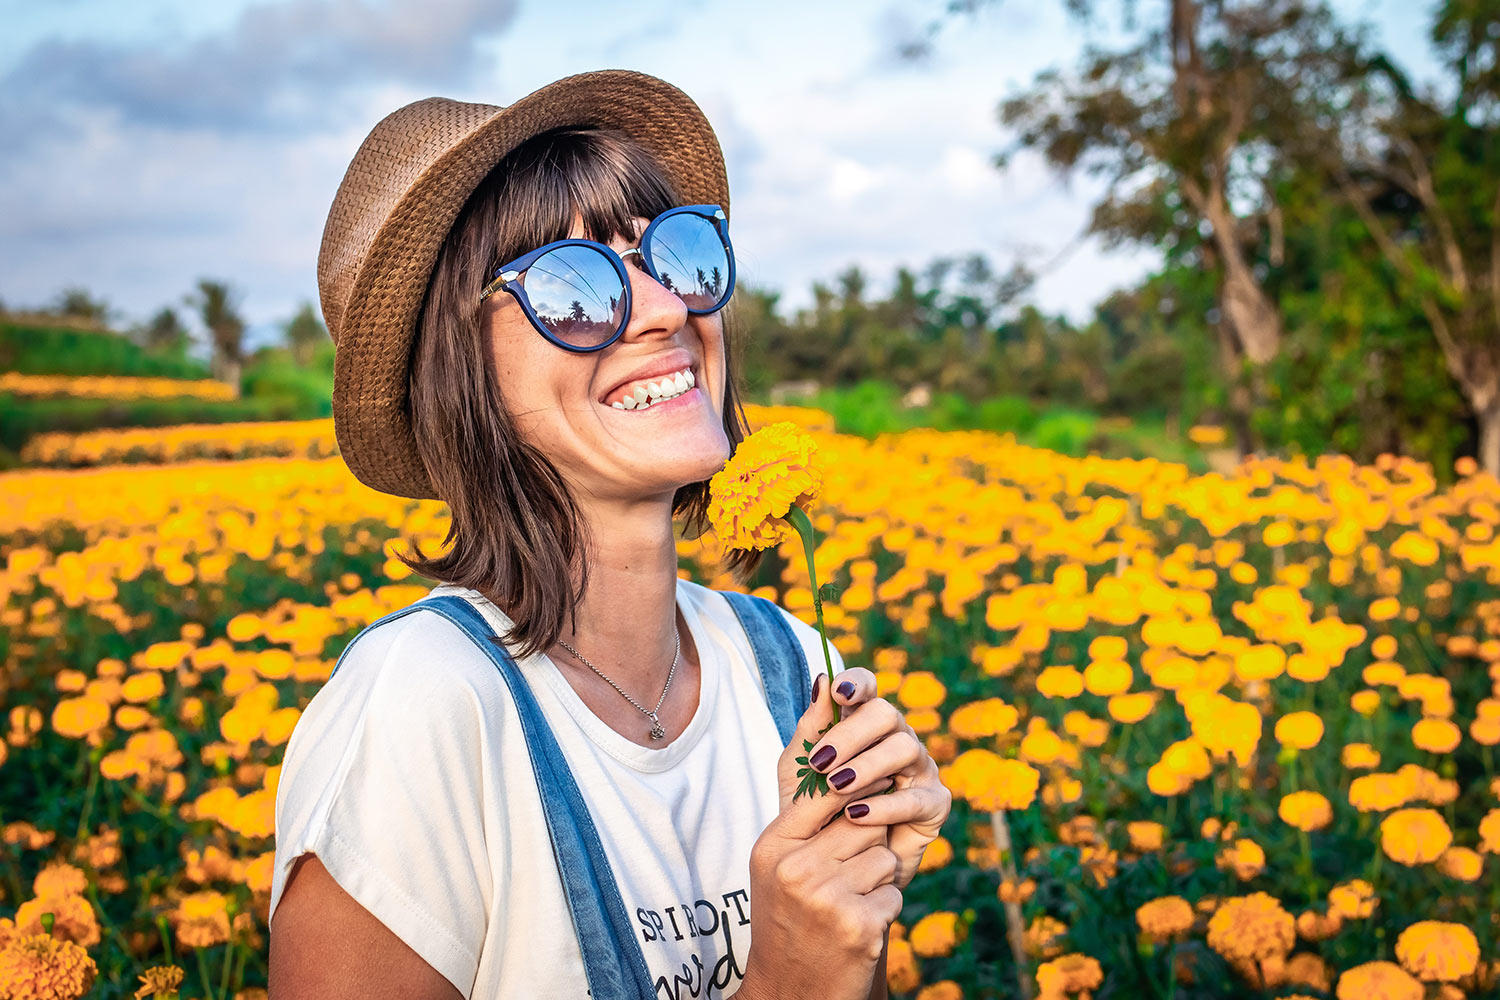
(226, 328)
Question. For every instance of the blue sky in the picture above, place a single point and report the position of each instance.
(152, 142)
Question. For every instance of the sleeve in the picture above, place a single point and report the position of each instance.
(382, 780)
(812, 647)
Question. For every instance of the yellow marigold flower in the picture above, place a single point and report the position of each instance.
(1251, 928)
(1042, 938)
(1068, 974)
(935, 935)
(1008, 784)
(1146, 835)
(141, 688)
(921, 689)
(73, 916)
(1042, 746)
(1188, 758)
(945, 989)
(1300, 730)
(1359, 756)
(1378, 981)
(1315, 926)
(1379, 792)
(1129, 708)
(1086, 729)
(41, 967)
(1307, 969)
(1489, 832)
(1461, 863)
(1107, 678)
(1260, 663)
(1059, 682)
(60, 879)
(1438, 951)
(1305, 810)
(1011, 892)
(1365, 702)
(980, 719)
(1414, 836)
(159, 981)
(936, 855)
(1353, 900)
(1436, 736)
(901, 972)
(201, 920)
(770, 471)
(1166, 918)
(76, 718)
(1244, 857)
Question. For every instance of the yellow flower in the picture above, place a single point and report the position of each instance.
(1301, 730)
(159, 980)
(1353, 900)
(1166, 918)
(1360, 756)
(1043, 937)
(935, 935)
(1244, 857)
(1378, 981)
(978, 719)
(1436, 736)
(1489, 832)
(41, 967)
(1305, 810)
(1436, 950)
(771, 470)
(945, 989)
(59, 879)
(1251, 928)
(937, 855)
(921, 689)
(1068, 974)
(1414, 836)
(1128, 708)
(1315, 926)
(1461, 863)
(1365, 703)
(1146, 835)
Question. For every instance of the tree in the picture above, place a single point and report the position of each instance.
(165, 333)
(220, 315)
(304, 332)
(78, 304)
(1186, 123)
(1422, 172)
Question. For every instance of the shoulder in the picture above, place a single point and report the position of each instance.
(715, 603)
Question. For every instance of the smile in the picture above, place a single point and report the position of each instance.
(648, 392)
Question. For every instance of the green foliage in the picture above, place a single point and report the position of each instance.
(45, 350)
(276, 375)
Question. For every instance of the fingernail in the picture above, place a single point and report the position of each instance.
(857, 810)
(823, 757)
(817, 686)
(843, 778)
(846, 689)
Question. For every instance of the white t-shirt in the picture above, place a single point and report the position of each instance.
(409, 776)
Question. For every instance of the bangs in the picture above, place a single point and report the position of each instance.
(597, 173)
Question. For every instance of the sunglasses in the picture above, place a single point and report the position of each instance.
(577, 293)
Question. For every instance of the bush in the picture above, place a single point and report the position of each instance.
(43, 350)
(21, 418)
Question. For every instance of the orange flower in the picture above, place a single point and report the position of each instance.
(1436, 950)
(1305, 810)
(45, 968)
(1166, 918)
(1414, 836)
(1300, 730)
(1378, 981)
(1251, 928)
(770, 471)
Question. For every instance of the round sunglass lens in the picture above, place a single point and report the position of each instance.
(691, 260)
(576, 293)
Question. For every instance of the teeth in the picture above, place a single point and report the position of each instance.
(656, 390)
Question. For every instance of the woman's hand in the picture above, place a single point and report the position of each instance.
(874, 740)
(821, 893)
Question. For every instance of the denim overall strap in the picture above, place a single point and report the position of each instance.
(612, 957)
(779, 654)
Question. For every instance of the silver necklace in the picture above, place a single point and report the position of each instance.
(657, 732)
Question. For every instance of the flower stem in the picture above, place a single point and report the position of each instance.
(798, 519)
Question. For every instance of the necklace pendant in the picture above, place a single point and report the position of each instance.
(657, 732)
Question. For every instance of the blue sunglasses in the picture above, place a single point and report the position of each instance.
(577, 292)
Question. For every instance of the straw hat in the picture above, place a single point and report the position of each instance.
(398, 199)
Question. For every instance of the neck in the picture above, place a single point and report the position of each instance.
(626, 618)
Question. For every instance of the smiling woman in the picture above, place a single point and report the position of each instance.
(567, 771)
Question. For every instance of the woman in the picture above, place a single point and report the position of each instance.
(483, 801)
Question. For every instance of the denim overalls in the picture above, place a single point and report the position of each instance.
(612, 957)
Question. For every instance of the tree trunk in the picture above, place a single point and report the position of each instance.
(1489, 440)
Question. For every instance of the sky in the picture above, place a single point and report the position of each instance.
(154, 142)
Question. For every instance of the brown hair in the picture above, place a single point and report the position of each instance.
(516, 534)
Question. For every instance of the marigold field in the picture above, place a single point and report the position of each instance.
(1208, 736)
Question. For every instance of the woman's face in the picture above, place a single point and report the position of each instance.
(561, 401)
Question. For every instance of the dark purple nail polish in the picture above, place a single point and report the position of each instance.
(817, 686)
(857, 810)
(842, 779)
(823, 757)
(846, 689)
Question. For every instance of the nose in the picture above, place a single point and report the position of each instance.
(655, 310)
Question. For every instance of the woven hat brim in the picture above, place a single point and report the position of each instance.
(377, 327)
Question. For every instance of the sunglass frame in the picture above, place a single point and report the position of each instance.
(506, 277)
